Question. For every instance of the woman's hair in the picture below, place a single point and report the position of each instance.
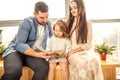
(63, 27)
(81, 25)
(41, 6)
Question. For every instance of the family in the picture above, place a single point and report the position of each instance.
(41, 46)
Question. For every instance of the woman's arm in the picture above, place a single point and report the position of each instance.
(84, 46)
(74, 51)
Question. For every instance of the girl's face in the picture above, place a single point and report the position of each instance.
(73, 9)
(57, 31)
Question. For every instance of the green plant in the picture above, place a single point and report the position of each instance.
(104, 49)
(2, 48)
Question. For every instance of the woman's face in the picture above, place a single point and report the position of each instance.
(73, 9)
(57, 31)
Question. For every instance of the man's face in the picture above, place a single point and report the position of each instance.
(42, 18)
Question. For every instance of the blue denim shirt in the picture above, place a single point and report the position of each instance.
(26, 36)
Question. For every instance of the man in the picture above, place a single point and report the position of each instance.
(21, 50)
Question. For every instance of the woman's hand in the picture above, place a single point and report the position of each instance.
(70, 53)
(74, 51)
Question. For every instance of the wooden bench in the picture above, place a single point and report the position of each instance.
(27, 73)
(109, 71)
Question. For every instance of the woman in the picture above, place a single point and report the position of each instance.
(83, 65)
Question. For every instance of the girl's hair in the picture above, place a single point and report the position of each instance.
(63, 27)
(81, 25)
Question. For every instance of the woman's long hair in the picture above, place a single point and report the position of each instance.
(81, 25)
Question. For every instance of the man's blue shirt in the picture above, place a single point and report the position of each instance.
(26, 36)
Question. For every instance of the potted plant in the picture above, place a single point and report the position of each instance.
(2, 48)
(104, 49)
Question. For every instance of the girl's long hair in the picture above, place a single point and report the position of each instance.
(63, 27)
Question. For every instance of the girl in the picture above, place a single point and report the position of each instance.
(59, 45)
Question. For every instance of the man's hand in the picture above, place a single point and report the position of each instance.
(43, 55)
(52, 54)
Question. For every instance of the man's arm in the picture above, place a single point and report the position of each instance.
(31, 52)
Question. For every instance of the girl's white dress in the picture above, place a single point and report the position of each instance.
(84, 65)
(58, 44)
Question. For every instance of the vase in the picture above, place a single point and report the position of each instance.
(103, 56)
(1, 57)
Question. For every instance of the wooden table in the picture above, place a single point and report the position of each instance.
(1, 68)
(109, 69)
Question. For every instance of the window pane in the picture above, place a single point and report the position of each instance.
(110, 34)
(102, 9)
(19, 9)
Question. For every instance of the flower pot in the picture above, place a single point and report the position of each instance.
(1, 57)
(103, 56)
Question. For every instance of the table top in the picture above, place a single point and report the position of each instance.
(110, 63)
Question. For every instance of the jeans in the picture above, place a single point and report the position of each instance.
(14, 62)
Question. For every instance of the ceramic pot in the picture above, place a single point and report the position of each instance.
(1, 57)
(103, 56)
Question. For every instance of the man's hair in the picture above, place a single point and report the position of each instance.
(41, 6)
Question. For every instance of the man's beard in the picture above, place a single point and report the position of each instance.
(43, 23)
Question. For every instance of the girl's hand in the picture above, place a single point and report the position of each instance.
(64, 55)
(50, 54)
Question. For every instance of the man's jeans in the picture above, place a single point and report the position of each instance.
(14, 62)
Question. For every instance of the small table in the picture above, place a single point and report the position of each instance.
(1, 68)
(109, 69)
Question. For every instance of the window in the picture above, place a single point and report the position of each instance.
(102, 9)
(13, 11)
(19, 9)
